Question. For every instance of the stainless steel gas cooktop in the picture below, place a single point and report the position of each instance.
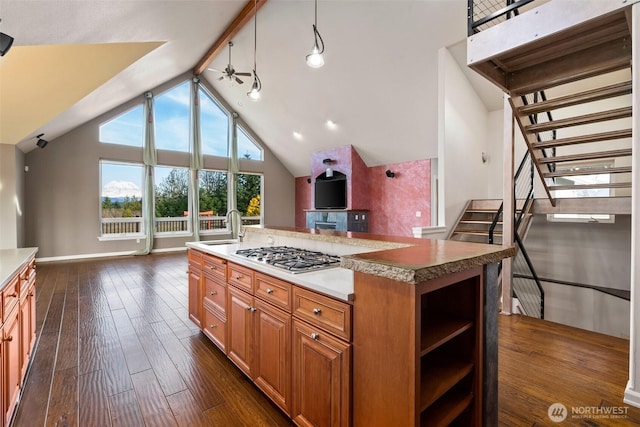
(294, 260)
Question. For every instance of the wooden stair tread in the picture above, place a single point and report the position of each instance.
(586, 156)
(582, 139)
(477, 232)
(478, 221)
(590, 186)
(577, 98)
(623, 169)
(600, 116)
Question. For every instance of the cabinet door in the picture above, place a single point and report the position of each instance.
(214, 326)
(11, 363)
(240, 316)
(321, 378)
(272, 353)
(25, 334)
(195, 295)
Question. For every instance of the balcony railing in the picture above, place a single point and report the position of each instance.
(129, 226)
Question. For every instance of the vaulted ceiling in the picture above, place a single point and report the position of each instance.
(72, 61)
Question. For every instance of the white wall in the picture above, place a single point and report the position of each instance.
(464, 128)
(11, 197)
(586, 308)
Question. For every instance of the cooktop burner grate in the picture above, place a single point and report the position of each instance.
(292, 259)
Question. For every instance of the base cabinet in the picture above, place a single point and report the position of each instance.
(11, 365)
(18, 334)
(195, 287)
(292, 342)
(321, 378)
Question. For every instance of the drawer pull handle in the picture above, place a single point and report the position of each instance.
(213, 326)
(238, 277)
(315, 336)
(252, 309)
(316, 311)
(13, 295)
(9, 338)
(214, 292)
(212, 267)
(269, 291)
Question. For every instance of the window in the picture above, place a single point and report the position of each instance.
(121, 196)
(598, 177)
(249, 198)
(125, 129)
(171, 119)
(214, 126)
(172, 200)
(213, 199)
(247, 148)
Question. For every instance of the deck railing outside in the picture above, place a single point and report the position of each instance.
(129, 226)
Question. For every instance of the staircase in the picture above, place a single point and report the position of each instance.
(570, 90)
(567, 71)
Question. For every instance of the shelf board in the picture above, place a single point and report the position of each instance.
(438, 378)
(438, 332)
(446, 410)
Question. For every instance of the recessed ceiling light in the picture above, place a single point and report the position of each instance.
(331, 124)
(297, 135)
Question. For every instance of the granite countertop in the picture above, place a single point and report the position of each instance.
(405, 259)
(336, 282)
(11, 260)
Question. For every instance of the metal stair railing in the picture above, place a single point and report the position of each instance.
(486, 13)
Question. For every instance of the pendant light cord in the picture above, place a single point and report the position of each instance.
(255, 34)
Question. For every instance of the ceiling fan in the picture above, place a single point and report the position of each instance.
(230, 73)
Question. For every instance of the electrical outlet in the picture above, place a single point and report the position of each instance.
(418, 214)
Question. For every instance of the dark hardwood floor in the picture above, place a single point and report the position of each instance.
(116, 348)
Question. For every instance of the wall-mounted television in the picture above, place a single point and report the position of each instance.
(331, 194)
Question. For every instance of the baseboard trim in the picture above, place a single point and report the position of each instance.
(103, 255)
(631, 397)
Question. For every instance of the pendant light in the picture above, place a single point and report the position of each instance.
(315, 59)
(254, 93)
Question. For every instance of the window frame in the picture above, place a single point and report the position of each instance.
(179, 233)
(586, 218)
(156, 121)
(120, 236)
(118, 116)
(214, 231)
(261, 175)
(252, 139)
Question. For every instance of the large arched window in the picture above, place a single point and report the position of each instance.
(214, 126)
(125, 129)
(171, 111)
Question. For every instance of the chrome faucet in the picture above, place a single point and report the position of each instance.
(234, 234)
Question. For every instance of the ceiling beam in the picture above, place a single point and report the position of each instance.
(234, 28)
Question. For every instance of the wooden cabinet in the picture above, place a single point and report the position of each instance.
(260, 334)
(321, 378)
(195, 287)
(11, 365)
(306, 369)
(18, 333)
(240, 326)
(426, 368)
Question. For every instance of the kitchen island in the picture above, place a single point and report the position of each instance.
(404, 332)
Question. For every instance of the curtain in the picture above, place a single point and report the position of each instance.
(195, 160)
(233, 173)
(150, 160)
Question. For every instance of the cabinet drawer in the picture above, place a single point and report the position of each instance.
(324, 312)
(275, 291)
(241, 277)
(10, 295)
(194, 257)
(215, 328)
(216, 294)
(215, 267)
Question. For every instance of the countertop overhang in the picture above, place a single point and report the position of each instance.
(11, 260)
(403, 259)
